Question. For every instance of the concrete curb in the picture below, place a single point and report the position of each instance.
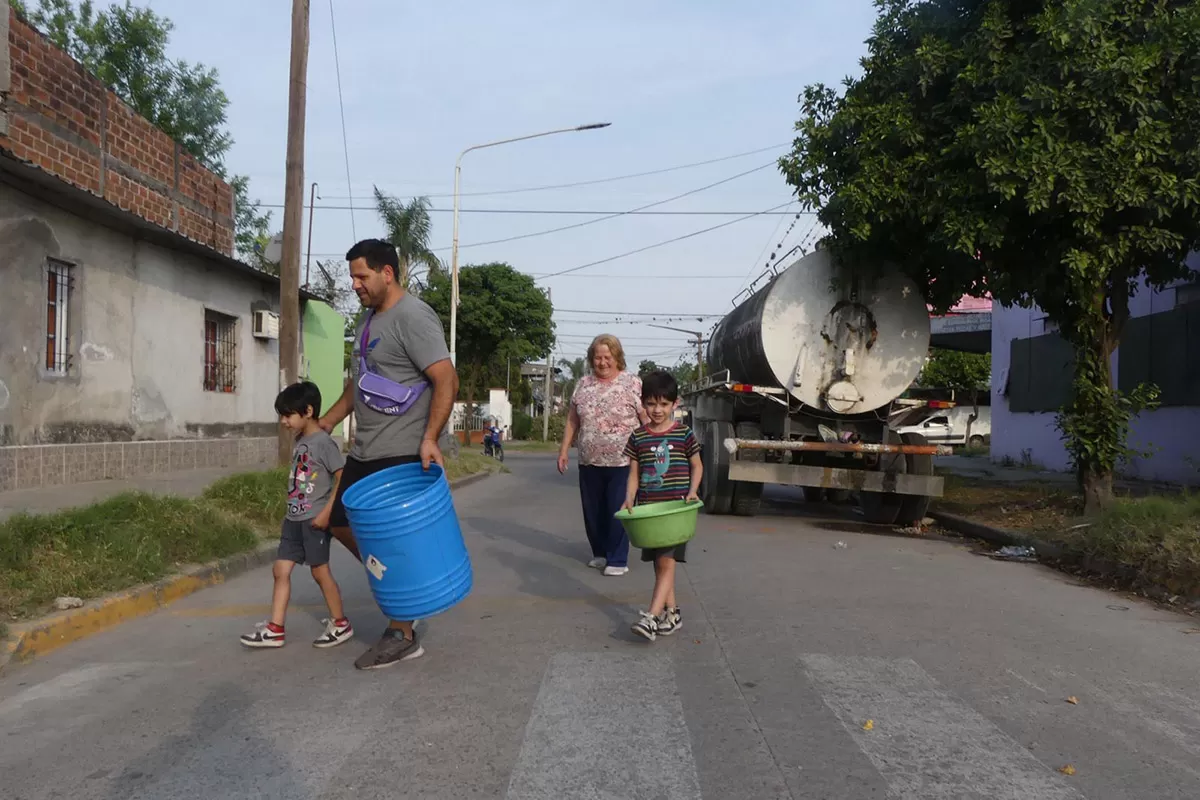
(29, 640)
(996, 536)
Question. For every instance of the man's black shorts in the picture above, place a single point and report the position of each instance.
(352, 473)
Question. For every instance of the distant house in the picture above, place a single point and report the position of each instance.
(1033, 368)
(131, 340)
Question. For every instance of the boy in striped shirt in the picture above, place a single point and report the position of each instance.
(664, 464)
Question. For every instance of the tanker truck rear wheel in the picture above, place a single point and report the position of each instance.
(880, 508)
(716, 490)
(747, 496)
(914, 507)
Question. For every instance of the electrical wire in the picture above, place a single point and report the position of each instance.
(770, 238)
(665, 242)
(620, 213)
(597, 181)
(774, 212)
(342, 106)
(655, 314)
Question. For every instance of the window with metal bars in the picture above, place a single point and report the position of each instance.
(220, 352)
(59, 283)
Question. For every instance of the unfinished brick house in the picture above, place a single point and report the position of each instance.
(131, 340)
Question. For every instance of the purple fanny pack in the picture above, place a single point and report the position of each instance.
(381, 394)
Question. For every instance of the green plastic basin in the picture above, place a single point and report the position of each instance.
(661, 524)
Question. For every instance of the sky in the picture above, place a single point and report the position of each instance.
(681, 81)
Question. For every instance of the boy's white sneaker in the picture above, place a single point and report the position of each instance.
(615, 572)
(334, 634)
(646, 626)
(598, 563)
(669, 622)
(263, 636)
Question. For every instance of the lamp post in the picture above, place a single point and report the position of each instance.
(454, 247)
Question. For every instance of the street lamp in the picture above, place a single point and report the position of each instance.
(454, 247)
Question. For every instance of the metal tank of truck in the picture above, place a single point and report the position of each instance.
(803, 389)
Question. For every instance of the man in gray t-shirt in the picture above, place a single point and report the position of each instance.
(405, 344)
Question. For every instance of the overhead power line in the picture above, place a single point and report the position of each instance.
(581, 212)
(665, 242)
(596, 181)
(342, 106)
(620, 213)
(636, 313)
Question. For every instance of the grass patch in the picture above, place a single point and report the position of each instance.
(1029, 506)
(468, 463)
(127, 540)
(259, 497)
(1154, 540)
(1151, 541)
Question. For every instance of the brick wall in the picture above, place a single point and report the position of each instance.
(63, 120)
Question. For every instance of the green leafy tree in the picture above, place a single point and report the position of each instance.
(252, 226)
(951, 369)
(1044, 152)
(503, 315)
(125, 46)
(409, 226)
(647, 366)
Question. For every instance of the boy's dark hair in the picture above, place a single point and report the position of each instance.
(378, 254)
(660, 385)
(298, 398)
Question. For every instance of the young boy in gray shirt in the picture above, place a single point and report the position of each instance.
(317, 464)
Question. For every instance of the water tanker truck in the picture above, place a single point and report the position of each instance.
(803, 389)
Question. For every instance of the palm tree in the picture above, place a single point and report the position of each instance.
(408, 227)
(577, 368)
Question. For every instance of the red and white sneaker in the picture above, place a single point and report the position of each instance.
(335, 633)
(265, 635)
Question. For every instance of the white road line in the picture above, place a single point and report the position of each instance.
(606, 726)
(926, 744)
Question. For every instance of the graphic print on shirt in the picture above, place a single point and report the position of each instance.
(303, 482)
(653, 477)
(663, 462)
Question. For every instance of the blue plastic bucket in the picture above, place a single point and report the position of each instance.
(411, 545)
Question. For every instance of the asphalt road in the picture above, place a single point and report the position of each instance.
(534, 689)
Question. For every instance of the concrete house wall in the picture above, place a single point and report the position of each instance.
(1170, 433)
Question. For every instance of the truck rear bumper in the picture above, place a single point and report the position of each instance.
(859, 480)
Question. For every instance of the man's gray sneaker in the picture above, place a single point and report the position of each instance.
(391, 650)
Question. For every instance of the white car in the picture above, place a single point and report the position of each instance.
(954, 426)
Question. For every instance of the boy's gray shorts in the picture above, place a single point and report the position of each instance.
(302, 543)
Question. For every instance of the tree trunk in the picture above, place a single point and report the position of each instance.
(1095, 398)
(1097, 488)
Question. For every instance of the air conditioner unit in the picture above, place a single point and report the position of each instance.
(266, 325)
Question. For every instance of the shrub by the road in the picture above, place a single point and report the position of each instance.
(522, 426)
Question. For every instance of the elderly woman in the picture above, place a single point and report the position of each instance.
(605, 409)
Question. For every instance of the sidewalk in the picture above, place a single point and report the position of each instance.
(188, 483)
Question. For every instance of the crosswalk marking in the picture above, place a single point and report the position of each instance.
(926, 744)
(606, 726)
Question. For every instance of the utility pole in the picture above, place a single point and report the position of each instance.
(699, 346)
(293, 216)
(312, 195)
(546, 390)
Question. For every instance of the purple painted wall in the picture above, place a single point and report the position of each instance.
(1171, 433)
